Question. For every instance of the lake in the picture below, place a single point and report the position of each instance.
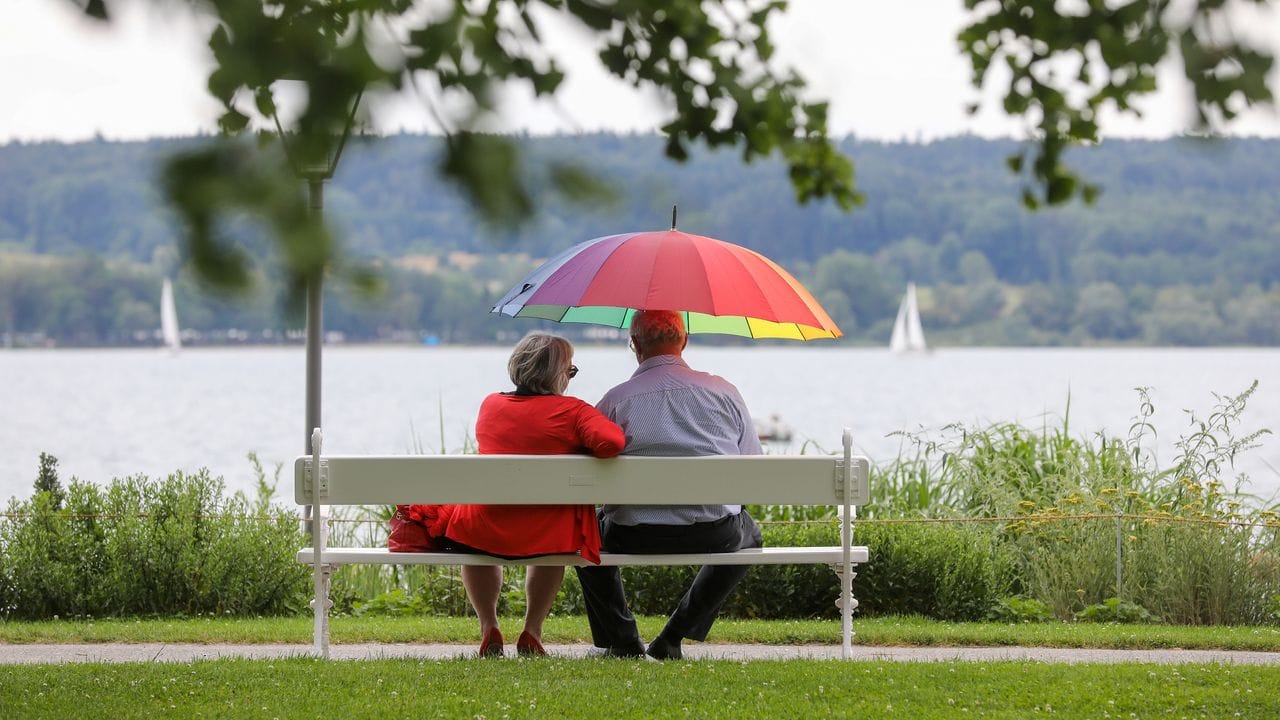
(106, 413)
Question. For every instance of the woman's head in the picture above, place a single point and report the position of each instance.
(540, 363)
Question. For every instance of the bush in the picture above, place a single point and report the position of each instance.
(1020, 610)
(948, 572)
(175, 546)
(1115, 610)
(944, 571)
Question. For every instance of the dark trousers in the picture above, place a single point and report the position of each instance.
(613, 625)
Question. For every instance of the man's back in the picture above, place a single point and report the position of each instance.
(667, 408)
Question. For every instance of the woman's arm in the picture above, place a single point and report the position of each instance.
(601, 436)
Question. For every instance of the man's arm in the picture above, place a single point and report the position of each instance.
(749, 440)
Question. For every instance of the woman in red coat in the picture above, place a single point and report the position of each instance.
(535, 419)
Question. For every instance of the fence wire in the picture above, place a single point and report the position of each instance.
(1041, 519)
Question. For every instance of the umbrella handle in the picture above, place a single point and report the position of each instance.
(673, 217)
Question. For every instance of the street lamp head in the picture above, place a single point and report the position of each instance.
(314, 154)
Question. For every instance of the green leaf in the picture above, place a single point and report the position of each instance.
(96, 9)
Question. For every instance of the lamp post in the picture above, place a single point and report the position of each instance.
(315, 163)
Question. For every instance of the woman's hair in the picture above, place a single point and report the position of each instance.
(538, 362)
(657, 328)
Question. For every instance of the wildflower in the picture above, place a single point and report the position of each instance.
(1072, 499)
(1110, 491)
(1131, 494)
(1026, 505)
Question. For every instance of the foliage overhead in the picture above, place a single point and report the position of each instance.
(1066, 62)
(712, 60)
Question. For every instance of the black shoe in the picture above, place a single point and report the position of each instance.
(664, 649)
(633, 649)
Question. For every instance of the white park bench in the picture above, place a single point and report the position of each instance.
(576, 479)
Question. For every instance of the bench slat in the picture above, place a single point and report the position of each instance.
(817, 555)
(575, 479)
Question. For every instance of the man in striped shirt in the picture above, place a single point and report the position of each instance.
(669, 409)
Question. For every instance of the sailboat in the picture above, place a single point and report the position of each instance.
(169, 318)
(908, 335)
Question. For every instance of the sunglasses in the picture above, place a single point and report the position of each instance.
(573, 371)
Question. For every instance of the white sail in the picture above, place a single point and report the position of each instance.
(908, 334)
(169, 318)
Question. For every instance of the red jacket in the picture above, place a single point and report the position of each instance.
(534, 425)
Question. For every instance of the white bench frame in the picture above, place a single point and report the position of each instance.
(576, 479)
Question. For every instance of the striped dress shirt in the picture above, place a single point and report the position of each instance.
(669, 409)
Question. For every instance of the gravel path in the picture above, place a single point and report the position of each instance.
(158, 652)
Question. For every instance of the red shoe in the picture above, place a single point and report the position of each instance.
(528, 646)
(491, 645)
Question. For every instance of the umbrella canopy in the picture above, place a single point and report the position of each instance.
(720, 287)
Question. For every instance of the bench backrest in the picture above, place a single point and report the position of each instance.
(575, 479)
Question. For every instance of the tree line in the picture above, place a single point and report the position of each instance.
(1177, 250)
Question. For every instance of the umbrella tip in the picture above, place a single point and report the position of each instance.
(673, 217)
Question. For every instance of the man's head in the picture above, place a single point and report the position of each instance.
(658, 332)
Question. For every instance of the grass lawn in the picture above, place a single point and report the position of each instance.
(573, 629)
(593, 689)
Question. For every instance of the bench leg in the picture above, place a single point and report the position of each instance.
(847, 604)
(320, 604)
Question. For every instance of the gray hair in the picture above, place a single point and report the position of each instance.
(657, 328)
(538, 362)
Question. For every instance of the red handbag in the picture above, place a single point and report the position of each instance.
(410, 528)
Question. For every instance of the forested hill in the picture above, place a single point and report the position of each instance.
(1199, 217)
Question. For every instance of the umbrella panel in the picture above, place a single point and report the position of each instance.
(694, 322)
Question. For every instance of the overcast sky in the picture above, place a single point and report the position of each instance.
(891, 70)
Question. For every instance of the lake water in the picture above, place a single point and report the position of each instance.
(106, 413)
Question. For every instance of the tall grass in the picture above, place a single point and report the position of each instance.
(1193, 547)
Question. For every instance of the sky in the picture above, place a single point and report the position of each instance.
(891, 71)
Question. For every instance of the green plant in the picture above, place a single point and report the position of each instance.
(393, 603)
(1017, 609)
(1115, 610)
(47, 479)
(174, 546)
(1200, 553)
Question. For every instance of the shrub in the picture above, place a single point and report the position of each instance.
(945, 571)
(175, 546)
(948, 572)
(1115, 610)
(1020, 610)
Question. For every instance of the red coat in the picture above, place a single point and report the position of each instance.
(535, 425)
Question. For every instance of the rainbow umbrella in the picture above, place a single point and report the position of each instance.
(720, 287)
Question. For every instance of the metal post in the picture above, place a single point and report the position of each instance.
(315, 336)
(846, 560)
(320, 572)
(315, 323)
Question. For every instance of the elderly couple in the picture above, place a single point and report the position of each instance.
(665, 408)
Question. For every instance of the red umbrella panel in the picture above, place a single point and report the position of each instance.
(721, 287)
